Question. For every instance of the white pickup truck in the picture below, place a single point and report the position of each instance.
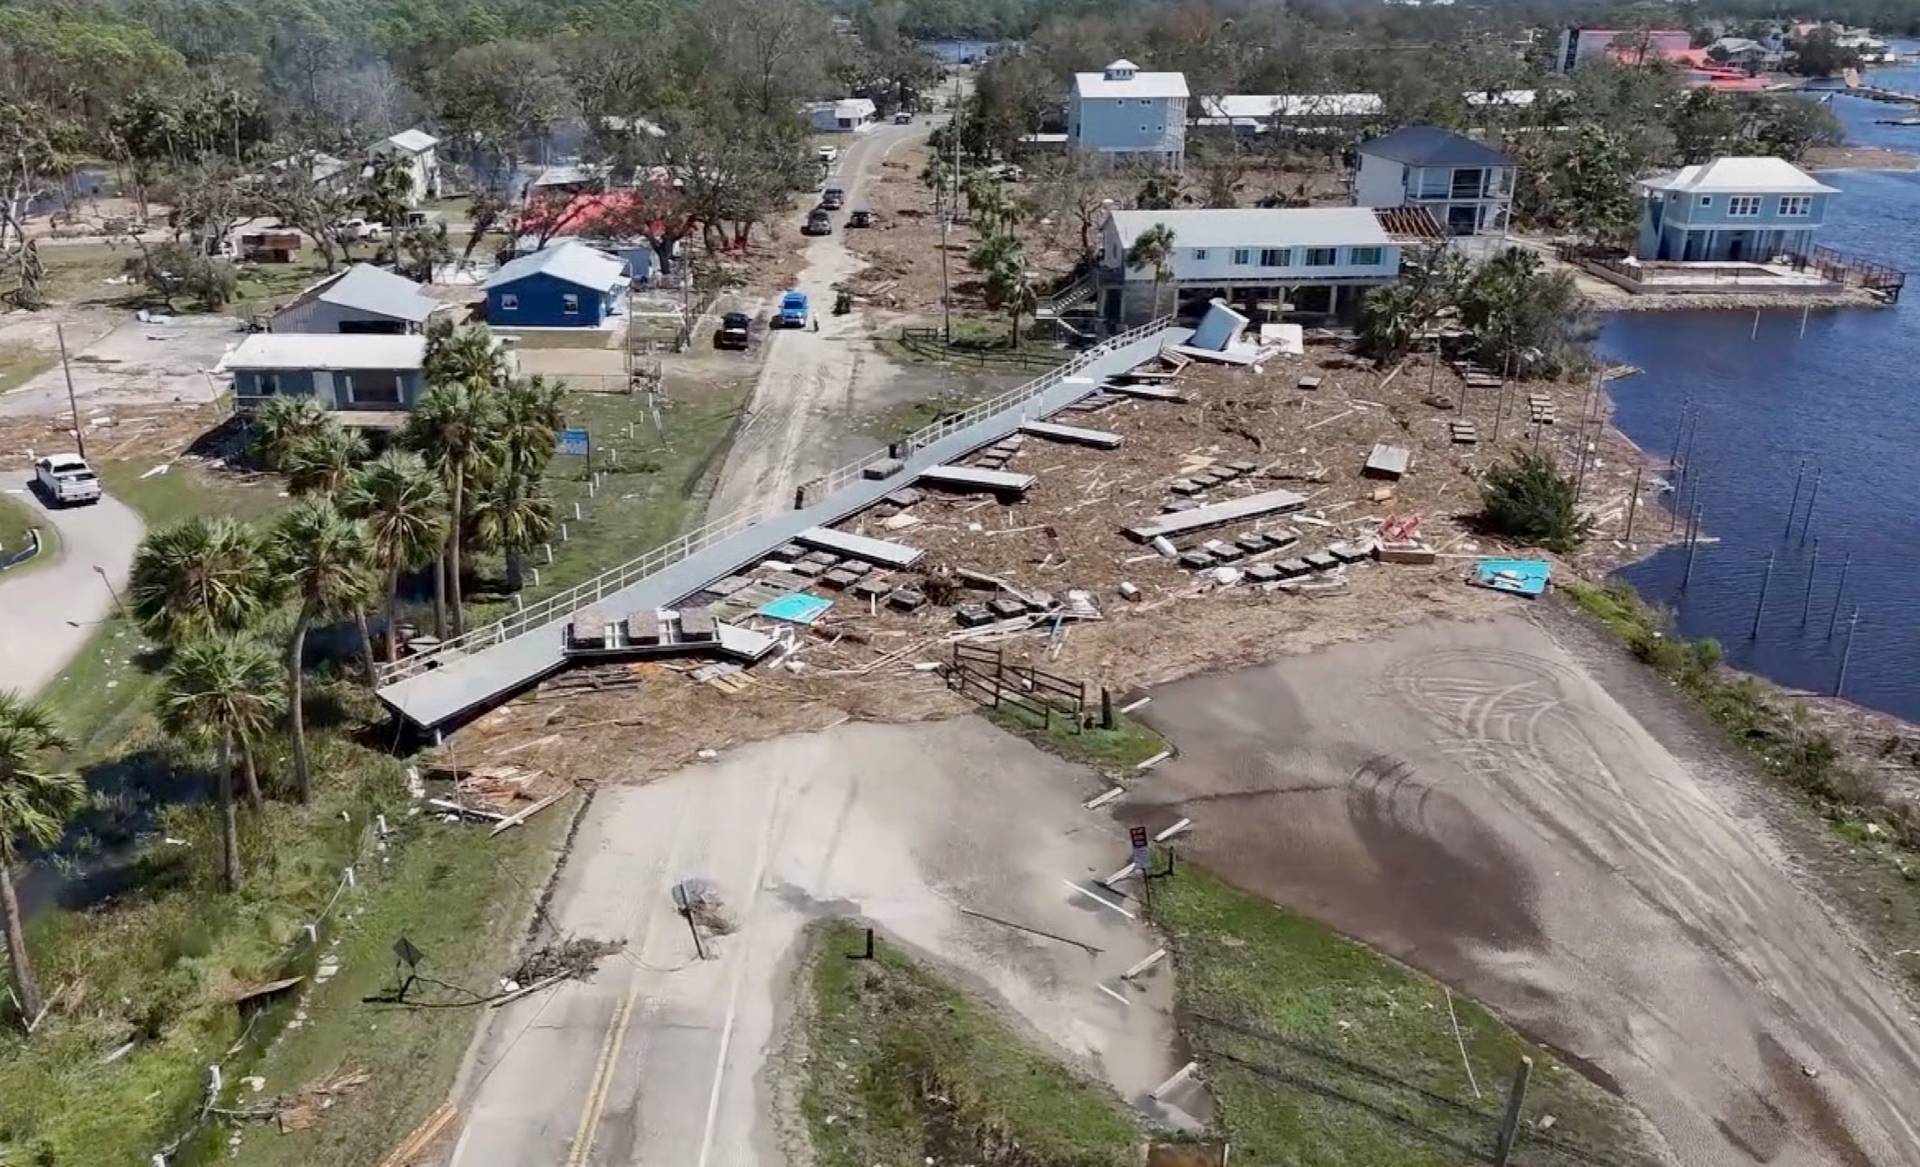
(65, 479)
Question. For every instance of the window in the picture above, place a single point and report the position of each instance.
(509, 302)
(1743, 206)
(266, 384)
(369, 388)
(1143, 128)
(1199, 254)
(1276, 257)
(1706, 201)
(1322, 256)
(1242, 257)
(570, 304)
(1366, 257)
(1796, 206)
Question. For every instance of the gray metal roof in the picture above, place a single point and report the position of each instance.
(572, 262)
(1433, 146)
(370, 289)
(1259, 227)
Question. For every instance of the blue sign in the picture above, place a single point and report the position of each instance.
(577, 442)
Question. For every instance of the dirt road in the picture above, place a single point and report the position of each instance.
(663, 1058)
(1586, 859)
(814, 386)
(48, 610)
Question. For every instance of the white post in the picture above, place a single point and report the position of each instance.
(549, 547)
(576, 510)
(346, 876)
(563, 526)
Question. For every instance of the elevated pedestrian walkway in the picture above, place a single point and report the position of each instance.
(472, 673)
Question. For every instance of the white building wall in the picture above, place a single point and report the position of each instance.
(1380, 182)
(1214, 264)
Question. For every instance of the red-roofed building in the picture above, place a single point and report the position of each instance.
(1631, 46)
(634, 225)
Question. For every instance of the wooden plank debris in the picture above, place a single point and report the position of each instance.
(1219, 514)
(1076, 435)
(1147, 392)
(973, 478)
(1388, 461)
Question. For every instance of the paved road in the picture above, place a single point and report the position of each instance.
(47, 611)
(663, 1060)
(813, 384)
(119, 361)
(1523, 812)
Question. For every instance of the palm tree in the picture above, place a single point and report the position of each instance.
(531, 419)
(321, 462)
(513, 517)
(404, 509)
(200, 576)
(34, 807)
(1154, 248)
(326, 560)
(222, 690)
(283, 423)
(456, 425)
(469, 354)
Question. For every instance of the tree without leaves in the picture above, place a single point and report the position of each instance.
(404, 507)
(1078, 189)
(35, 804)
(325, 559)
(220, 690)
(288, 193)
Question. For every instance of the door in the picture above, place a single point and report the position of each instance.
(1463, 220)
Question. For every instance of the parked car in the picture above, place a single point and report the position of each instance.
(833, 198)
(793, 310)
(65, 479)
(360, 229)
(819, 222)
(826, 155)
(860, 219)
(736, 330)
(903, 118)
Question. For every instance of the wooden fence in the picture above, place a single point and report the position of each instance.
(987, 676)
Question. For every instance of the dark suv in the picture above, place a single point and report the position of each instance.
(735, 330)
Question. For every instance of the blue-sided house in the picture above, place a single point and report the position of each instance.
(1731, 210)
(568, 285)
(371, 379)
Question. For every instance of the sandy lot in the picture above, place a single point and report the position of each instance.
(662, 1058)
(118, 361)
(1471, 799)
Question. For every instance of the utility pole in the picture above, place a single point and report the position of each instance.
(953, 205)
(73, 405)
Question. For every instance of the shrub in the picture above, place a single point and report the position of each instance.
(1530, 502)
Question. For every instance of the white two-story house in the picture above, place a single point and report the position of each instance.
(1122, 113)
(1315, 260)
(1467, 186)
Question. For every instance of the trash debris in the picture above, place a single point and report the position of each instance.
(575, 957)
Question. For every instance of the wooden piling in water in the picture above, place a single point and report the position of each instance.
(1765, 581)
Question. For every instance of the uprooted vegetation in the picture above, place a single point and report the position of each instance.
(901, 1067)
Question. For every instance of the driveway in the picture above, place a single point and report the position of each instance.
(666, 1060)
(1589, 860)
(47, 610)
(120, 361)
(814, 386)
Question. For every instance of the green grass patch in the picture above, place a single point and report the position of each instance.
(20, 363)
(1128, 743)
(17, 520)
(190, 488)
(79, 274)
(655, 484)
(460, 898)
(1323, 1053)
(901, 1065)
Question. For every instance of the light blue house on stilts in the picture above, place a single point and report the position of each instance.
(1730, 210)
